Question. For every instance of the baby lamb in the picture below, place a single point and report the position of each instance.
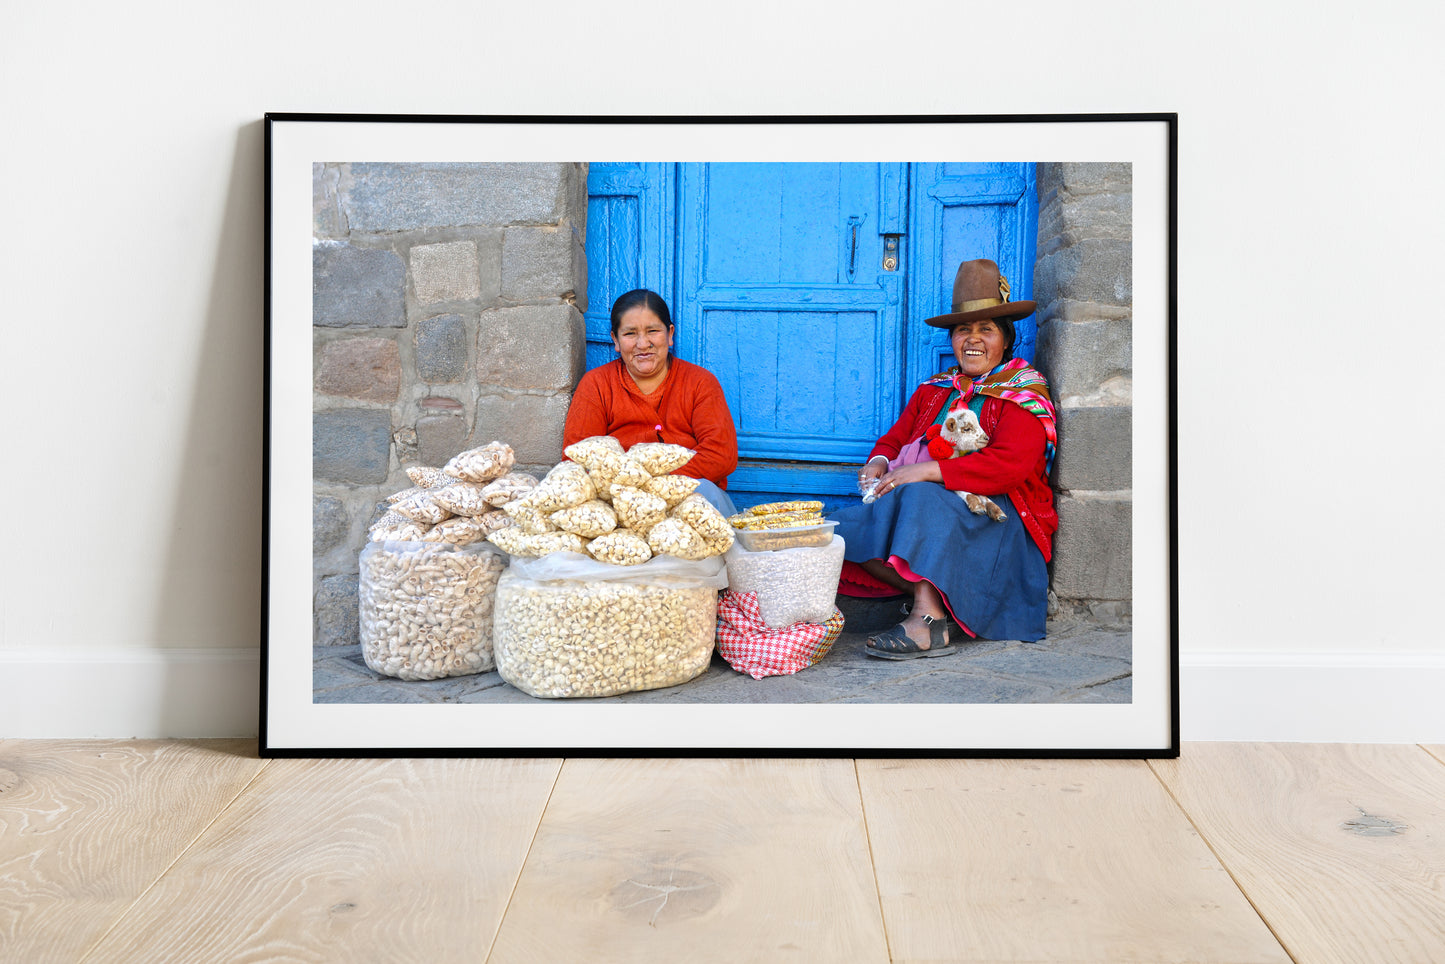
(959, 435)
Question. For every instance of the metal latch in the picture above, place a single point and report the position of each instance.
(890, 252)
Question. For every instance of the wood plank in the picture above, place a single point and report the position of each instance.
(1048, 860)
(347, 860)
(86, 826)
(1340, 846)
(698, 860)
(1438, 752)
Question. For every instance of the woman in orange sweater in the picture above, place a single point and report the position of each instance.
(646, 395)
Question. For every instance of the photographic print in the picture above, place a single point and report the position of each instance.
(639, 436)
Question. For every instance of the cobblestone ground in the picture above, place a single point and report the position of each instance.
(1082, 660)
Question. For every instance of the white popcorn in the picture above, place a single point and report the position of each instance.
(508, 488)
(674, 537)
(459, 531)
(565, 486)
(703, 516)
(589, 520)
(672, 489)
(460, 498)
(427, 477)
(589, 452)
(513, 540)
(621, 547)
(421, 508)
(660, 458)
(637, 509)
(565, 638)
(482, 464)
(426, 611)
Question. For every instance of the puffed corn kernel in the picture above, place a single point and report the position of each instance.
(482, 464)
(660, 458)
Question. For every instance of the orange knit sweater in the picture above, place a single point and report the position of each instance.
(688, 408)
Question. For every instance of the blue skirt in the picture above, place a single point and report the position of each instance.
(992, 575)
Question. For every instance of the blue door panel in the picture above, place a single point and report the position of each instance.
(630, 237)
(783, 296)
(963, 211)
(784, 374)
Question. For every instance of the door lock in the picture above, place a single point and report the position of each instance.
(890, 252)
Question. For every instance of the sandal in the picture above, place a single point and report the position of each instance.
(895, 643)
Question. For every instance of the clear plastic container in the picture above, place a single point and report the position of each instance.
(761, 540)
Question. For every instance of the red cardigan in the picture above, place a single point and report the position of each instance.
(688, 408)
(1012, 464)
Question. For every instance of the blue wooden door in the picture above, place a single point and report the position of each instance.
(783, 294)
(631, 238)
(803, 287)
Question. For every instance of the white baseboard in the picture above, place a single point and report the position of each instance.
(1390, 697)
(1234, 696)
(123, 694)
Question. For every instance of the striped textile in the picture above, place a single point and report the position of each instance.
(1014, 381)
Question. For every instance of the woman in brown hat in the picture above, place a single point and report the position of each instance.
(968, 574)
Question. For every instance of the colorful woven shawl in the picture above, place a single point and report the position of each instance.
(1012, 381)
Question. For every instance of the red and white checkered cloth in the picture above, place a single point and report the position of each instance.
(749, 646)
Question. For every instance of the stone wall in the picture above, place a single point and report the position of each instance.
(1083, 283)
(447, 312)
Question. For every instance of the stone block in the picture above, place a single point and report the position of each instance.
(1093, 549)
(574, 211)
(441, 349)
(406, 197)
(351, 445)
(1077, 357)
(330, 524)
(579, 273)
(368, 369)
(540, 264)
(439, 437)
(1074, 179)
(1066, 223)
(336, 611)
(531, 347)
(1096, 269)
(448, 271)
(531, 424)
(325, 212)
(354, 287)
(1096, 449)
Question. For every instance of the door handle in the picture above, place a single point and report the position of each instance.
(854, 223)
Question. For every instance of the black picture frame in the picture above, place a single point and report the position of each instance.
(294, 724)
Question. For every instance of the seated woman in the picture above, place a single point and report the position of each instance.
(919, 538)
(646, 395)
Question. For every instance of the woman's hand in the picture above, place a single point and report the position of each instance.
(927, 471)
(873, 468)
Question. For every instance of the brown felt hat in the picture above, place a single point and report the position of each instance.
(980, 292)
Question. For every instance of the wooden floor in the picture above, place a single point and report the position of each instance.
(199, 852)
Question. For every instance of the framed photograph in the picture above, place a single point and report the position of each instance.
(825, 315)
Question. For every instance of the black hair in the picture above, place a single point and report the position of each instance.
(1006, 326)
(639, 298)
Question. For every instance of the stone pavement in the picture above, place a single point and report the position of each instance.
(1082, 660)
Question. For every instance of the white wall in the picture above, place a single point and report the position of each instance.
(1309, 331)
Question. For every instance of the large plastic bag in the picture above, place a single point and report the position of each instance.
(569, 626)
(426, 608)
(798, 585)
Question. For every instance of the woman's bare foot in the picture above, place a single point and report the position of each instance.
(917, 630)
